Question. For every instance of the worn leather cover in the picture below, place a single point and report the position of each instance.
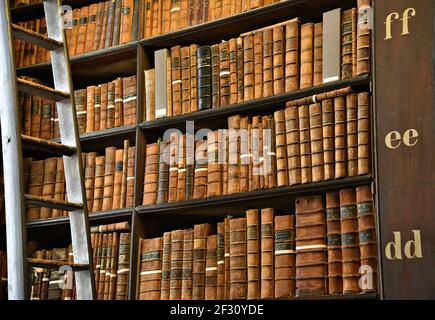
(238, 259)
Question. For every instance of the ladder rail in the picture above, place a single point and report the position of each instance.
(69, 133)
(16, 220)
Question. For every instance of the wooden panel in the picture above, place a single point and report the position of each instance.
(404, 107)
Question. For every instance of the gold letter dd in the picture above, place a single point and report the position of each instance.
(394, 139)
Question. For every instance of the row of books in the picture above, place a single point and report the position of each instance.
(281, 58)
(3, 276)
(163, 16)
(307, 142)
(109, 181)
(318, 250)
(105, 106)
(111, 253)
(97, 26)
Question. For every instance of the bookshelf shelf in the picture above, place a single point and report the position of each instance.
(270, 104)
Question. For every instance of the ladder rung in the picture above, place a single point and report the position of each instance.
(41, 90)
(53, 264)
(51, 203)
(47, 146)
(35, 38)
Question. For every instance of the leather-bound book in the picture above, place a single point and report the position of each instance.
(205, 10)
(278, 60)
(311, 249)
(364, 34)
(113, 266)
(193, 78)
(248, 67)
(181, 179)
(48, 185)
(258, 65)
(256, 137)
(101, 284)
(97, 108)
(318, 54)
(232, 55)
(34, 187)
(363, 133)
(227, 257)
(211, 269)
(34, 47)
(349, 241)
(98, 185)
(117, 178)
(54, 122)
(245, 154)
(92, 24)
(166, 266)
(267, 254)
(190, 166)
(151, 174)
(109, 172)
(220, 261)
(109, 259)
(185, 79)
(135, 33)
(204, 77)
(163, 174)
(352, 134)
(35, 129)
(328, 139)
(110, 25)
(226, 8)
(281, 148)
(176, 264)
(123, 266)
(98, 25)
(90, 177)
(80, 99)
(307, 55)
(162, 80)
(175, 15)
(72, 41)
(129, 184)
(27, 114)
(238, 259)
(59, 186)
(110, 114)
(201, 232)
(117, 23)
(269, 153)
(253, 254)
(104, 105)
(46, 112)
(201, 170)
(90, 109)
(293, 145)
(333, 229)
(118, 103)
(151, 269)
(234, 154)
(173, 166)
(367, 235)
(224, 158)
(316, 136)
(101, 41)
(184, 14)
(285, 256)
(214, 167)
(82, 30)
(346, 44)
(129, 96)
(193, 12)
(176, 80)
(97, 247)
(215, 77)
(224, 74)
(340, 137)
(200, 11)
(240, 70)
(305, 144)
(147, 21)
(187, 274)
(354, 38)
(166, 16)
(126, 25)
(292, 55)
(150, 103)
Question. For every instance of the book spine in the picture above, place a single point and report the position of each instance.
(117, 179)
(97, 108)
(232, 47)
(214, 171)
(184, 14)
(269, 153)
(27, 114)
(318, 54)
(267, 254)
(185, 80)
(176, 80)
(90, 109)
(130, 177)
(363, 133)
(147, 32)
(176, 264)
(90, 177)
(258, 65)
(156, 17)
(104, 106)
(215, 78)
(126, 27)
(118, 103)
(59, 186)
(340, 137)
(349, 241)
(129, 87)
(100, 293)
(234, 154)
(136, 20)
(220, 261)
(367, 235)
(248, 67)
(305, 144)
(113, 266)
(109, 172)
(278, 60)
(48, 185)
(150, 104)
(333, 227)
(110, 114)
(211, 269)
(175, 15)
(81, 103)
(92, 24)
(281, 149)
(201, 171)
(163, 177)
(240, 70)
(352, 134)
(173, 167)
(224, 74)
(46, 112)
(98, 185)
(292, 56)
(328, 138)
(201, 232)
(102, 39)
(190, 166)
(82, 30)
(346, 44)
(238, 259)
(35, 130)
(162, 83)
(364, 35)
(151, 269)
(123, 266)
(354, 38)
(99, 17)
(166, 266)
(307, 55)
(315, 112)
(285, 257)
(34, 187)
(181, 179)
(193, 78)
(151, 174)
(227, 258)
(187, 275)
(253, 254)
(224, 159)
(110, 25)
(117, 23)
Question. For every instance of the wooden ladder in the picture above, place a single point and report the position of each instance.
(13, 143)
